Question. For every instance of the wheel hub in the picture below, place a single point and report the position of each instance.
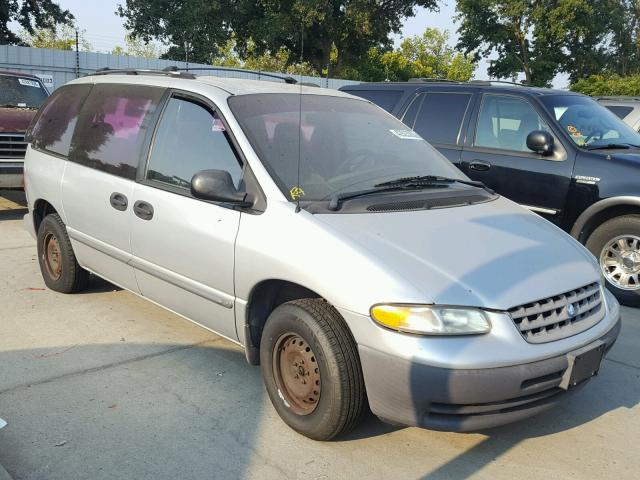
(297, 374)
(620, 262)
(52, 257)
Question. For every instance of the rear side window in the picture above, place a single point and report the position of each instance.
(190, 138)
(54, 127)
(620, 110)
(112, 127)
(386, 99)
(441, 116)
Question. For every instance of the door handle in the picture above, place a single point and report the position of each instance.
(143, 210)
(118, 201)
(479, 166)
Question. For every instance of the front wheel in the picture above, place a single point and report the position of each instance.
(311, 369)
(616, 245)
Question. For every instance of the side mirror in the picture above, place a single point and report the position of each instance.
(540, 142)
(217, 186)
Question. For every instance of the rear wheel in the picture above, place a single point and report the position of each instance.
(311, 369)
(616, 245)
(58, 264)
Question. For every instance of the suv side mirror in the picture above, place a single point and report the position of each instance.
(540, 142)
(217, 186)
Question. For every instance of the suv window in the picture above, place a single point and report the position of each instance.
(54, 127)
(190, 138)
(505, 122)
(436, 126)
(386, 99)
(620, 110)
(112, 127)
(16, 91)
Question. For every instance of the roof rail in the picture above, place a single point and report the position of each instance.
(117, 71)
(435, 79)
(286, 79)
(491, 82)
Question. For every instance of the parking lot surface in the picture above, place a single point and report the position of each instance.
(105, 385)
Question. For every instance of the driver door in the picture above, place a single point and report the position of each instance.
(499, 157)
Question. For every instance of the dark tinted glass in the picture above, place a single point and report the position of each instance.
(54, 127)
(409, 118)
(386, 99)
(441, 117)
(21, 92)
(190, 138)
(112, 127)
(620, 110)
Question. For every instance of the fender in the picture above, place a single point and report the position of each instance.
(599, 206)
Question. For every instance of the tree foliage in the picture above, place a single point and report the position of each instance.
(136, 47)
(427, 55)
(30, 15)
(608, 85)
(311, 30)
(62, 38)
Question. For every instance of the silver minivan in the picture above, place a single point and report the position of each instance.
(353, 262)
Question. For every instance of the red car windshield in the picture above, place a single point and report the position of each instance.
(23, 92)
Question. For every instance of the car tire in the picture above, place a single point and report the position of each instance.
(58, 265)
(602, 243)
(311, 369)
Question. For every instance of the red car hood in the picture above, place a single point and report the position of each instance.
(15, 119)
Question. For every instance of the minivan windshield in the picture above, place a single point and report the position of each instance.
(589, 124)
(22, 92)
(344, 144)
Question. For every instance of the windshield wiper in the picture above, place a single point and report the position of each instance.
(12, 105)
(612, 146)
(429, 180)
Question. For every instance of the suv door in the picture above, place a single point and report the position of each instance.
(183, 247)
(98, 181)
(426, 116)
(497, 155)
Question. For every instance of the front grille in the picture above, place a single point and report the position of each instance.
(12, 145)
(549, 319)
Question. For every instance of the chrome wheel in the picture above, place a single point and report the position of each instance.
(297, 374)
(620, 262)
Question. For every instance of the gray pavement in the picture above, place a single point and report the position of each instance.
(104, 385)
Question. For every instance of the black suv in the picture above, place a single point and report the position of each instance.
(558, 153)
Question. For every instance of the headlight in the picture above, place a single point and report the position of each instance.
(431, 320)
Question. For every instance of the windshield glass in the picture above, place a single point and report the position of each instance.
(21, 92)
(588, 123)
(343, 144)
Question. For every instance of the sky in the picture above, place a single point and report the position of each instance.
(104, 29)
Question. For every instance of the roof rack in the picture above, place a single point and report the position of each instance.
(491, 82)
(286, 79)
(117, 71)
(435, 80)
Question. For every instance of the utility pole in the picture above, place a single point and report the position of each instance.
(77, 55)
(186, 54)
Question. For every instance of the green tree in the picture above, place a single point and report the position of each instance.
(624, 26)
(136, 47)
(30, 15)
(62, 38)
(608, 85)
(346, 30)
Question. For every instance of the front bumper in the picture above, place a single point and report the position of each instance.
(11, 174)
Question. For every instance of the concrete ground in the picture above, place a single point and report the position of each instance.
(103, 385)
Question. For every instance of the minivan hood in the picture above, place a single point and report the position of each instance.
(15, 120)
(494, 255)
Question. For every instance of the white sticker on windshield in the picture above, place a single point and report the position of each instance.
(406, 134)
(29, 83)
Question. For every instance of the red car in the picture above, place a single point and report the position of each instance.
(20, 97)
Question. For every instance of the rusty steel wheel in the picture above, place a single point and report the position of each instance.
(297, 374)
(51, 256)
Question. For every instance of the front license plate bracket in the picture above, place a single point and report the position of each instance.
(583, 364)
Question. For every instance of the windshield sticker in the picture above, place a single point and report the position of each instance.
(406, 134)
(296, 192)
(29, 83)
(217, 126)
(572, 129)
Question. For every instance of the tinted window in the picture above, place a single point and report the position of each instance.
(441, 116)
(620, 110)
(505, 122)
(190, 138)
(112, 127)
(386, 99)
(54, 127)
(409, 117)
(21, 92)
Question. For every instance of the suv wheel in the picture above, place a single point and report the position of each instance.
(616, 245)
(311, 369)
(58, 264)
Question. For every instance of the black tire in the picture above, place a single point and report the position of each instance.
(342, 397)
(70, 277)
(627, 225)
